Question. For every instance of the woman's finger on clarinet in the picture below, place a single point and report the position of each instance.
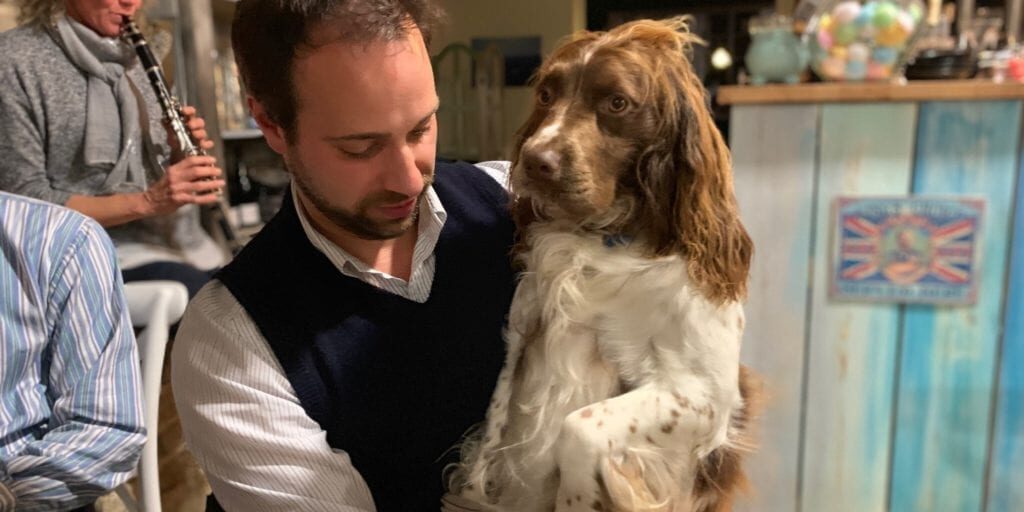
(189, 112)
(193, 167)
(196, 127)
(207, 192)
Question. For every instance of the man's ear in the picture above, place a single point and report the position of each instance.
(271, 130)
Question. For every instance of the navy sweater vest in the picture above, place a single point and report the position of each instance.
(394, 383)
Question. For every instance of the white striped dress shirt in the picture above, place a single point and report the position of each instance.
(70, 405)
(241, 417)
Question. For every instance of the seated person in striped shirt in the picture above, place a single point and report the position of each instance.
(70, 401)
(336, 363)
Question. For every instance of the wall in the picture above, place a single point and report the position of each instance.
(876, 406)
(550, 19)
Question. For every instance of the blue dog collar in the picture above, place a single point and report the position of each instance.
(617, 240)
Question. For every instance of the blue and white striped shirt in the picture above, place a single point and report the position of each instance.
(70, 402)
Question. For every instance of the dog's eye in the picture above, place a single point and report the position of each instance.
(544, 96)
(617, 104)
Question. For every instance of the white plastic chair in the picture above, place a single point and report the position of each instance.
(153, 306)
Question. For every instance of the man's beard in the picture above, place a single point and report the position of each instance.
(358, 222)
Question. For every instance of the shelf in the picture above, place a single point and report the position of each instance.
(245, 134)
(927, 90)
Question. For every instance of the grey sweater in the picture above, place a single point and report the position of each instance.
(42, 136)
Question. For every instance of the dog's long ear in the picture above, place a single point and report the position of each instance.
(713, 238)
(692, 177)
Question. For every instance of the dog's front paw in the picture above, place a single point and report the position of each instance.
(582, 445)
(636, 451)
(599, 463)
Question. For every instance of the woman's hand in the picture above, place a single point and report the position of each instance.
(193, 180)
(196, 127)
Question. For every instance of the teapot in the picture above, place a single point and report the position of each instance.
(776, 54)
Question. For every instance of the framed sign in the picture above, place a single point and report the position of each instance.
(906, 249)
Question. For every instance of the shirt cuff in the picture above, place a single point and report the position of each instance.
(6, 498)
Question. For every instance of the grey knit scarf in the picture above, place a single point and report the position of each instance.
(113, 135)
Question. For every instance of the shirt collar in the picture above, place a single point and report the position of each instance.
(432, 217)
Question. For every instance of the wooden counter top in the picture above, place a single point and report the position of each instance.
(921, 90)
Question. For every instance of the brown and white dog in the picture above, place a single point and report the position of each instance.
(622, 390)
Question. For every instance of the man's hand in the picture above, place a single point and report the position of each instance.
(193, 180)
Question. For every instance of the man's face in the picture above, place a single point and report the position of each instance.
(103, 16)
(365, 134)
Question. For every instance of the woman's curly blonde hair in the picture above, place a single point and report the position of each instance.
(38, 12)
(45, 12)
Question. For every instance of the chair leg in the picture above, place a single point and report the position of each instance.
(155, 305)
(126, 497)
(153, 342)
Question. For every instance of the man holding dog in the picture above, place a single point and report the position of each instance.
(336, 363)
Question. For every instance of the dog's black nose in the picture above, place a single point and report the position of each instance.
(541, 163)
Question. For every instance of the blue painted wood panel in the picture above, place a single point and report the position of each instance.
(865, 150)
(948, 359)
(1006, 480)
(774, 176)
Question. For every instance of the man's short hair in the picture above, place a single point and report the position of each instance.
(268, 35)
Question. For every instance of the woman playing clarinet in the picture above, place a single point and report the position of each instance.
(80, 126)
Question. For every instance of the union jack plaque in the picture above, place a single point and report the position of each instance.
(911, 249)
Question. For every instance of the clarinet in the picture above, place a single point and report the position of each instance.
(173, 115)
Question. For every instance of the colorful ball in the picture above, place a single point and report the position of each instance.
(845, 12)
(884, 55)
(885, 14)
(845, 34)
(825, 23)
(839, 52)
(824, 40)
(893, 35)
(833, 68)
(856, 70)
(877, 71)
(867, 32)
(867, 13)
(858, 52)
(915, 12)
(907, 22)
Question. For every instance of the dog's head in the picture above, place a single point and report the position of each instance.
(621, 142)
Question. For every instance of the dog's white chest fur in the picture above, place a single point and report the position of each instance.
(591, 323)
